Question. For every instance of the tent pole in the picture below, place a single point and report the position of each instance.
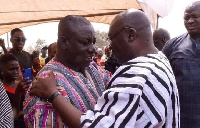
(7, 39)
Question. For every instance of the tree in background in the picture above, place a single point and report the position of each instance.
(38, 46)
(30, 49)
(101, 42)
(101, 39)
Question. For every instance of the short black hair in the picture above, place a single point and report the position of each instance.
(34, 54)
(5, 58)
(15, 30)
(49, 47)
(70, 23)
(45, 48)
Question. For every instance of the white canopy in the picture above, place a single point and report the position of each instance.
(21, 13)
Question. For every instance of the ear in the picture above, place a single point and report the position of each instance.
(164, 39)
(63, 43)
(132, 35)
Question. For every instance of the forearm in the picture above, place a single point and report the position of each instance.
(69, 114)
(16, 102)
(4, 49)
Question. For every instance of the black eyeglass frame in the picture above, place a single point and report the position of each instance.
(18, 39)
(114, 35)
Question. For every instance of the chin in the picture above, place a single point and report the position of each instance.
(194, 33)
(85, 65)
(20, 49)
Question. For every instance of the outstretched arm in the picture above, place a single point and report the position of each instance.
(2, 44)
(113, 109)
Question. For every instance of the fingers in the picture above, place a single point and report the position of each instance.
(51, 74)
(31, 92)
(32, 89)
(40, 86)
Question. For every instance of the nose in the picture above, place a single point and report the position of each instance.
(91, 48)
(16, 71)
(191, 20)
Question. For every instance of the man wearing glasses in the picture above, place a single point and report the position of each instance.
(24, 58)
(142, 93)
(18, 40)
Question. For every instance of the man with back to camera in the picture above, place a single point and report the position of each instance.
(160, 37)
(184, 55)
(52, 48)
(142, 92)
(78, 81)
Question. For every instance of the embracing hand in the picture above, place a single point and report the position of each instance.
(22, 86)
(44, 87)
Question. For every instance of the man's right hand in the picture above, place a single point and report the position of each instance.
(44, 87)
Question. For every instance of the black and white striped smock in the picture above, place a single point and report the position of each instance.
(142, 94)
(6, 113)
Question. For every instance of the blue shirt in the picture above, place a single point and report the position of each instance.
(183, 53)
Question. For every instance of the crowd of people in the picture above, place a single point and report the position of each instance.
(145, 79)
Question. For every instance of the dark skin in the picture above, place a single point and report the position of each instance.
(36, 63)
(143, 42)
(75, 49)
(192, 20)
(52, 53)
(2, 44)
(17, 46)
(160, 37)
(134, 33)
(83, 41)
(11, 72)
(44, 52)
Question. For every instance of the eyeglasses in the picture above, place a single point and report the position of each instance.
(114, 35)
(159, 39)
(18, 39)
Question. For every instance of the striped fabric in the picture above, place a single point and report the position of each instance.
(6, 113)
(141, 94)
(80, 91)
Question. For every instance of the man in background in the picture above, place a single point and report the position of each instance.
(184, 55)
(160, 37)
(18, 41)
(52, 48)
(43, 56)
